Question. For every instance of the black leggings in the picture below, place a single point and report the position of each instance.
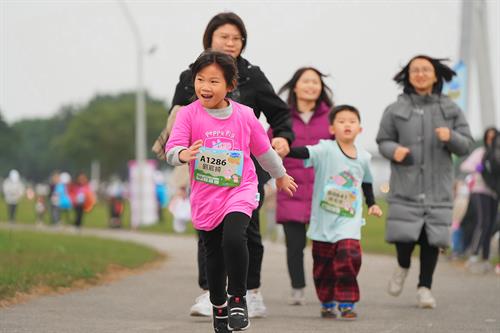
(12, 212)
(428, 258)
(78, 215)
(295, 237)
(255, 250)
(485, 222)
(227, 255)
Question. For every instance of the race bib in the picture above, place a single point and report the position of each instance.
(340, 200)
(219, 167)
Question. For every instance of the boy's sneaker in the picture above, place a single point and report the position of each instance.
(237, 314)
(425, 300)
(328, 311)
(297, 297)
(347, 311)
(202, 306)
(397, 281)
(256, 306)
(220, 320)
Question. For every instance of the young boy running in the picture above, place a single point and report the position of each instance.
(342, 171)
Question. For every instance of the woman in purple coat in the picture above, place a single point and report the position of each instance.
(310, 101)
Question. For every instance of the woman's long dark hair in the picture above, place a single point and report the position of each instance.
(325, 96)
(443, 73)
(486, 131)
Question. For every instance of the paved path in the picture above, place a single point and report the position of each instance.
(159, 300)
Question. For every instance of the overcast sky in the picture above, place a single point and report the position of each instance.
(64, 52)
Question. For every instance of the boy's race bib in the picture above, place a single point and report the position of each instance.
(339, 200)
(219, 167)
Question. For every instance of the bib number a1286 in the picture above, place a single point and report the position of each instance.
(219, 167)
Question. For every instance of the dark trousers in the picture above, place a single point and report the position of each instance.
(428, 258)
(54, 214)
(78, 215)
(484, 222)
(255, 251)
(295, 240)
(12, 212)
(468, 224)
(227, 256)
(335, 270)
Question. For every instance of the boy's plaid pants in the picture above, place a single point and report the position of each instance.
(336, 266)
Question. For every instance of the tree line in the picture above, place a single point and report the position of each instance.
(102, 130)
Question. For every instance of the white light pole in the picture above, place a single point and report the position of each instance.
(140, 114)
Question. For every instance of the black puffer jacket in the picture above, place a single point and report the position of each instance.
(253, 90)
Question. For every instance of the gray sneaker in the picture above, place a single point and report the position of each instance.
(397, 281)
(256, 306)
(202, 306)
(425, 300)
(297, 297)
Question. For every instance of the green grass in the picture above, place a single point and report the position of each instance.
(372, 233)
(97, 218)
(30, 259)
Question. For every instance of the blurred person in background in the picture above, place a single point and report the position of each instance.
(54, 198)
(115, 194)
(82, 198)
(309, 100)
(13, 191)
(62, 191)
(460, 203)
(180, 207)
(161, 194)
(41, 195)
(479, 229)
(419, 133)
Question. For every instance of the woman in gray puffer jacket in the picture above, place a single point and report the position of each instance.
(418, 134)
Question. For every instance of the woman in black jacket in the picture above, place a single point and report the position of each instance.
(226, 32)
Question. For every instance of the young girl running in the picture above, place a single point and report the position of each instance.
(216, 136)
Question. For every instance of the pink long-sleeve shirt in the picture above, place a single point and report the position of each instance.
(470, 166)
(240, 132)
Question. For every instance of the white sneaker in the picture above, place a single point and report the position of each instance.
(397, 281)
(255, 303)
(425, 300)
(202, 306)
(471, 263)
(297, 297)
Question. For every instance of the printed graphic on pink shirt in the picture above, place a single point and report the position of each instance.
(218, 164)
(219, 143)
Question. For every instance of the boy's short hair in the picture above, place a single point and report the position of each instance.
(343, 107)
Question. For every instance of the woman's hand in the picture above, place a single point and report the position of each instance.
(375, 211)
(287, 184)
(187, 155)
(400, 153)
(443, 134)
(281, 146)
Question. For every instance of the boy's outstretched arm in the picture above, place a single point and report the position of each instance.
(301, 153)
(373, 208)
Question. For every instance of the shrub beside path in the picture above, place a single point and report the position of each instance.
(159, 300)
